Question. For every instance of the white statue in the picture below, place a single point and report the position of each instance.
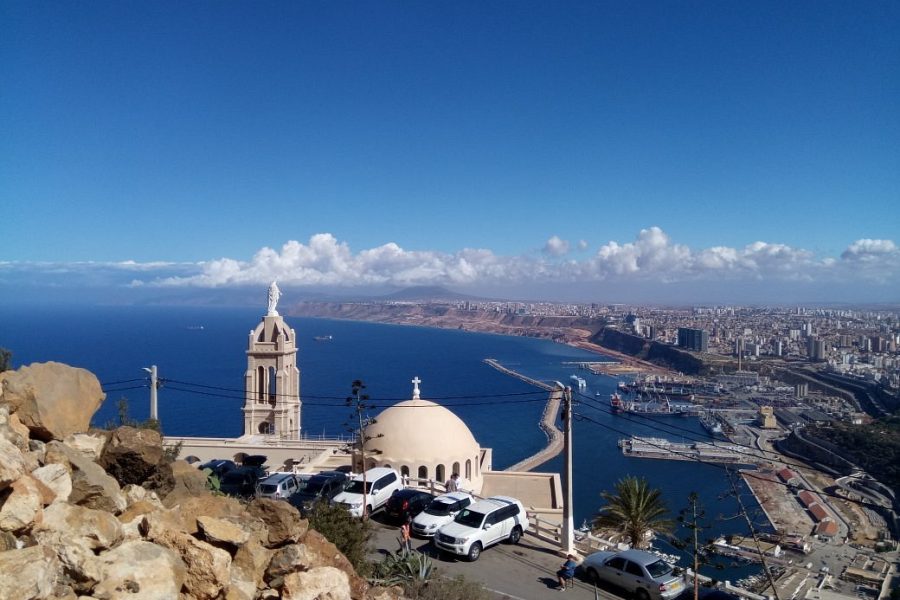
(274, 295)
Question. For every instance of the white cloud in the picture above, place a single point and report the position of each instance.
(582, 245)
(556, 246)
(650, 257)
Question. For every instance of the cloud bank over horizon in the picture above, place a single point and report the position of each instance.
(325, 261)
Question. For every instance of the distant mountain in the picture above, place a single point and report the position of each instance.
(426, 293)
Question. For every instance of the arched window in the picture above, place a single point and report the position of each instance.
(456, 468)
(273, 379)
(439, 473)
(423, 472)
(265, 428)
(260, 384)
(404, 470)
(469, 469)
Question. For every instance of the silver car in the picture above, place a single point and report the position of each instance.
(641, 573)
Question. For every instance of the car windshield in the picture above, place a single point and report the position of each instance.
(233, 478)
(311, 488)
(357, 487)
(469, 518)
(268, 488)
(440, 509)
(659, 569)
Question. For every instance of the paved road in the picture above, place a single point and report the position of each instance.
(526, 571)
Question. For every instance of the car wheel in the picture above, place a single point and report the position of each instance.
(515, 535)
(641, 594)
(474, 552)
(593, 576)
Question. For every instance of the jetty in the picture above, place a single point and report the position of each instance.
(547, 422)
(647, 447)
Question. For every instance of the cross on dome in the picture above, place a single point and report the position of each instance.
(416, 381)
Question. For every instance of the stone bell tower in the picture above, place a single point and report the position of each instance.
(272, 381)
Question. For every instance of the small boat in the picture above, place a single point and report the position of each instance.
(323, 338)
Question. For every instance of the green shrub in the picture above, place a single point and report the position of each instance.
(440, 588)
(351, 536)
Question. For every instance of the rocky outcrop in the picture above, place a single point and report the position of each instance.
(52, 399)
(68, 530)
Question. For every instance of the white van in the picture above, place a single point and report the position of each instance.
(481, 525)
(381, 482)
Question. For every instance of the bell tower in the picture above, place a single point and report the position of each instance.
(272, 381)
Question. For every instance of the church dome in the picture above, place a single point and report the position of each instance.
(419, 431)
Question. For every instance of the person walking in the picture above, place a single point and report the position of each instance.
(405, 535)
(452, 484)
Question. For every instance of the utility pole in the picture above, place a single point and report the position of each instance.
(568, 527)
(154, 385)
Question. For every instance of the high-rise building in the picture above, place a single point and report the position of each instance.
(693, 339)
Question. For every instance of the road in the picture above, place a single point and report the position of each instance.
(526, 571)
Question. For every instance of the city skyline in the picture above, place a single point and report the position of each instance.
(581, 151)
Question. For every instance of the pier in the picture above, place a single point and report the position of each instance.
(547, 423)
(646, 447)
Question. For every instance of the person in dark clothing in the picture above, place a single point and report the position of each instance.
(566, 571)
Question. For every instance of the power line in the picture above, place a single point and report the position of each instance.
(124, 389)
(122, 381)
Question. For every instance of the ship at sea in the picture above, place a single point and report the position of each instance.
(323, 338)
(711, 423)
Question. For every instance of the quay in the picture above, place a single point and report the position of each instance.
(547, 423)
(647, 447)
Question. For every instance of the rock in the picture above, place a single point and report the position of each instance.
(184, 516)
(96, 529)
(132, 520)
(208, 567)
(52, 399)
(322, 583)
(91, 486)
(327, 554)
(132, 455)
(7, 541)
(247, 569)
(385, 593)
(139, 569)
(36, 570)
(89, 444)
(22, 507)
(12, 463)
(57, 478)
(283, 520)
(12, 429)
(290, 558)
(182, 481)
(227, 531)
(135, 493)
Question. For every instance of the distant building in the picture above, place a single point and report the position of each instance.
(815, 349)
(767, 417)
(693, 339)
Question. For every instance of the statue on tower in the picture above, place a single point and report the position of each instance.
(274, 295)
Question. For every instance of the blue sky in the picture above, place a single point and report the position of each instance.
(481, 146)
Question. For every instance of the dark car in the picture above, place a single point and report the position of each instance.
(318, 488)
(407, 503)
(241, 481)
(219, 466)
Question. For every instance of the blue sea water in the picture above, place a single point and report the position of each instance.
(206, 346)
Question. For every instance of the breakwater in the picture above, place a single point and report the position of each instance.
(547, 422)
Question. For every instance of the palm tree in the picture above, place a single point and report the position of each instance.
(633, 510)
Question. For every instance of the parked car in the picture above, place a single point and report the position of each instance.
(440, 512)
(483, 524)
(218, 466)
(278, 486)
(241, 481)
(637, 572)
(381, 482)
(319, 488)
(405, 504)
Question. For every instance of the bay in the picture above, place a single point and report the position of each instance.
(200, 353)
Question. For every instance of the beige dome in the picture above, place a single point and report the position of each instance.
(419, 431)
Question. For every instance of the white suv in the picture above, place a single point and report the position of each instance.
(482, 524)
(381, 482)
(441, 511)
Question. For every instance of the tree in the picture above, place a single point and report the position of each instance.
(5, 360)
(351, 536)
(634, 510)
(691, 518)
(359, 402)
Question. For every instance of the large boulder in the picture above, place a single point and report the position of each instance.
(139, 569)
(95, 529)
(283, 521)
(321, 583)
(224, 531)
(327, 554)
(52, 399)
(208, 567)
(132, 455)
(35, 572)
(12, 429)
(247, 568)
(90, 444)
(57, 478)
(91, 485)
(22, 507)
(12, 463)
(179, 480)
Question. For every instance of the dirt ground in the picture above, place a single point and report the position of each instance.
(779, 503)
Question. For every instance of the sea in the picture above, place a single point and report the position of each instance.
(200, 353)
